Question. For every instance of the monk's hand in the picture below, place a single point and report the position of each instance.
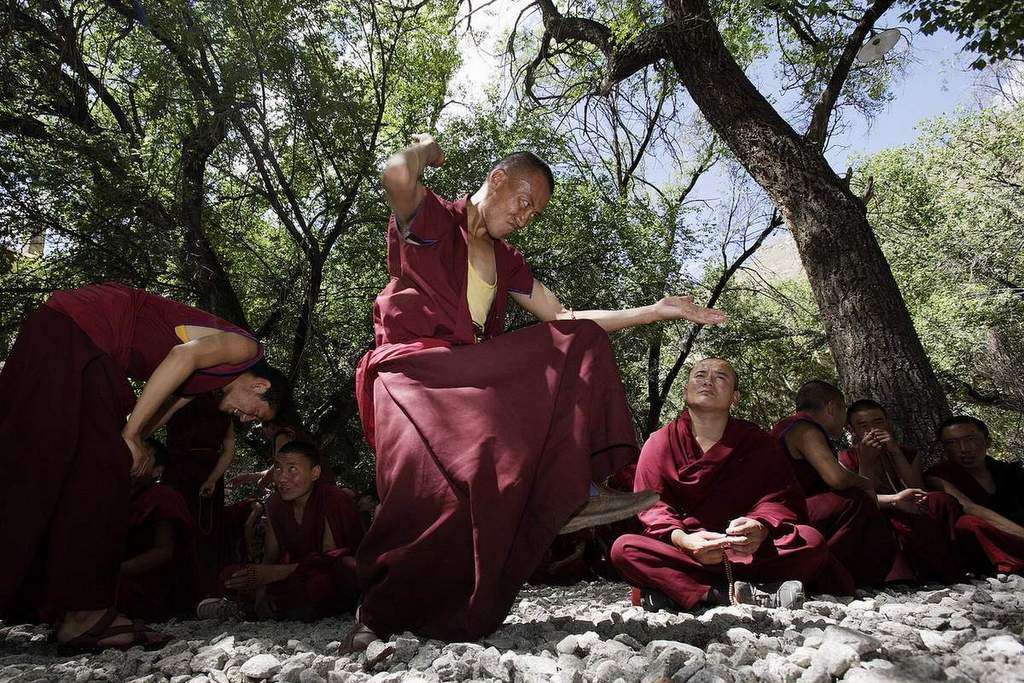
(142, 457)
(911, 501)
(707, 547)
(882, 440)
(244, 580)
(683, 308)
(433, 155)
(747, 534)
(208, 487)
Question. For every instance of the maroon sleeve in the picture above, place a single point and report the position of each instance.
(520, 278)
(654, 465)
(848, 459)
(783, 502)
(432, 222)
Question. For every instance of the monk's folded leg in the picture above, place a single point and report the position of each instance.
(315, 590)
(928, 540)
(646, 562)
(858, 535)
(986, 548)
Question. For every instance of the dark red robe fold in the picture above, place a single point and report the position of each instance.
(743, 475)
(484, 450)
(171, 589)
(64, 396)
(324, 583)
(858, 535)
(195, 437)
(927, 540)
(983, 546)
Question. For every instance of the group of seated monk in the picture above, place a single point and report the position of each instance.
(757, 517)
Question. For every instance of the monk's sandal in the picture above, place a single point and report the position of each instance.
(787, 595)
(609, 506)
(218, 608)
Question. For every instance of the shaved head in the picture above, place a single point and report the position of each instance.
(525, 163)
(816, 395)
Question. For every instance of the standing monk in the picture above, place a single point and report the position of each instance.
(313, 529)
(923, 522)
(486, 443)
(841, 504)
(728, 497)
(201, 447)
(69, 453)
(990, 534)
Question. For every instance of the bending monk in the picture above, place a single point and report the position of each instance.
(841, 504)
(486, 443)
(990, 534)
(922, 521)
(159, 580)
(727, 496)
(69, 454)
(312, 532)
(201, 447)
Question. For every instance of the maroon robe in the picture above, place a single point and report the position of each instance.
(484, 450)
(927, 541)
(982, 545)
(171, 589)
(64, 395)
(858, 535)
(324, 582)
(743, 475)
(195, 438)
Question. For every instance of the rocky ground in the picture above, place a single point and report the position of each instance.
(589, 632)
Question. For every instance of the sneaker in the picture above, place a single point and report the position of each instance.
(654, 601)
(218, 608)
(608, 507)
(787, 595)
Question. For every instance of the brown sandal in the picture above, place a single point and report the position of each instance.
(91, 639)
(357, 639)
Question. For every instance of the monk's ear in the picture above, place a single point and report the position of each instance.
(259, 385)
(736, 398)
(316, 472)
(497, 177)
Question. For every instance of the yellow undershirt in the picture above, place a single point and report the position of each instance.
(480, 295)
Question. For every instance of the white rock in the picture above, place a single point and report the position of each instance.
(310, 676)
(738, 635)
(608, 671)
(861, 643)
(1008, 646)
(261, 667)
(406, 647)
(209, 658)
(835, 658)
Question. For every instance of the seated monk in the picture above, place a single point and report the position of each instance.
(729, 507)
(990, 533)
(69, 453)
(487, 444)
(841, 504)
(159, 575)
(201, 447)
(312, 533)
(922, 521)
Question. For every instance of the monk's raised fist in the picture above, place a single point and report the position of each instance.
(434, 155)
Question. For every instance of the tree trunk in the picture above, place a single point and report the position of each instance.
(202, 268)
(872, 338)
(304, 324)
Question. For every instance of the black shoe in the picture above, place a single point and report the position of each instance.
(788, 594)
(654, 601)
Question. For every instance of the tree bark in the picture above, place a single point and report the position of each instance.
(876, 348)
(202, 268)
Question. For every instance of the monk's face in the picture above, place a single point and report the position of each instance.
(712, 386)
(513, 201)
(243, 398)
(965, 444)
(863, 421)
(294, 475)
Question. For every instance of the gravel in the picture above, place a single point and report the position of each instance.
(590, 633)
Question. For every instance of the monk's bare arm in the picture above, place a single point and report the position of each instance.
(809, 443)
(271, 549)
(270, 571)
(161, 552)
(545, 306)
(401, 176)
(175, 368)
(163, 416)
(972, 508)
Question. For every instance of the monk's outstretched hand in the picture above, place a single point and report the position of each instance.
(683, 308)
(142, 458)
